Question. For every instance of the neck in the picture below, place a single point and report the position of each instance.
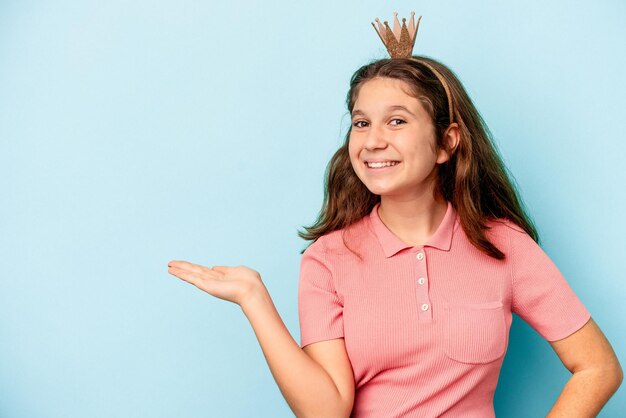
(414, 220)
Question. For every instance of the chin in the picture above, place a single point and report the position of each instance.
(379, 191)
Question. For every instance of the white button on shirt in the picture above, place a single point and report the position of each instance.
(420, 256)
(425, 307)
(421, 280)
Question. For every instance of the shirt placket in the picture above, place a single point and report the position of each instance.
(424, 305)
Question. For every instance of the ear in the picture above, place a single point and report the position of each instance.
(451, 138)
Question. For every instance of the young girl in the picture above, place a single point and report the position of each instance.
(421, 253)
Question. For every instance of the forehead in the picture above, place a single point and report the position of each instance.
(384, 92)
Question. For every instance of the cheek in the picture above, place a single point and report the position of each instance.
(354, 161)
(426, 150)
(353, 151)
(433, 147)
(353, 155)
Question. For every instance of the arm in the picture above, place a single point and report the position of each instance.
(317, 382)
(596, 373)
(543, 298)
(307, 387)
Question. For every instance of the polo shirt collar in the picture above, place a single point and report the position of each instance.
(391, 244)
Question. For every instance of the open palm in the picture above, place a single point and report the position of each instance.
(233, 284)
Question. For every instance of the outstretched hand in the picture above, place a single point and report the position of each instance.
(234, 284)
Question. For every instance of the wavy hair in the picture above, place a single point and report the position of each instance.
(474, 179)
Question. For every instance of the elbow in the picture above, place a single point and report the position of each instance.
(608, 376)
(618, 372)
(614, 375)
(619, 376)
(317, 415)
(335, 413)
(338, 411)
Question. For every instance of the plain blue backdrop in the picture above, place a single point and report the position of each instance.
(134, 133)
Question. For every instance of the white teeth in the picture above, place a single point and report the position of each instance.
(379, 165)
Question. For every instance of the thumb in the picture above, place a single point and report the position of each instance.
(221, 269)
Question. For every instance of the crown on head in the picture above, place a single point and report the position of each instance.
(399, 44)
(399, 41)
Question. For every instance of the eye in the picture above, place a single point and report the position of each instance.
(356, 124)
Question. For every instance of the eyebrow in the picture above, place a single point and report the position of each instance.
(396, 107)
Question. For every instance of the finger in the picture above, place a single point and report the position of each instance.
(200, 281)
(186, 275)
(202, 273)
(184, 265)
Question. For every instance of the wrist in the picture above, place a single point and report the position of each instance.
(256, 297)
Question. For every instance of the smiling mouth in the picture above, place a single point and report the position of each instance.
(382, 165)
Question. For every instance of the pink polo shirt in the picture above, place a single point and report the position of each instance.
(426, 328)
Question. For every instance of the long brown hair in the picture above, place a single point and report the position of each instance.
(474, 179)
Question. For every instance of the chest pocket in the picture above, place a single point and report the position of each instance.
(474, 333)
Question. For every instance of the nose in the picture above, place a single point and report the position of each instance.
(375, 138)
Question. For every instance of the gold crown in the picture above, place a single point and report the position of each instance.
(399, 44)
(400, 41)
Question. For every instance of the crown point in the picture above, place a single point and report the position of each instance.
(399, 41)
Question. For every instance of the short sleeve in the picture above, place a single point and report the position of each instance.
(320, 310)
(541, 295)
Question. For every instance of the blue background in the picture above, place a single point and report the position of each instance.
(134, 133)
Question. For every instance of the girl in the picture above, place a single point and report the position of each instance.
(421, 253)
